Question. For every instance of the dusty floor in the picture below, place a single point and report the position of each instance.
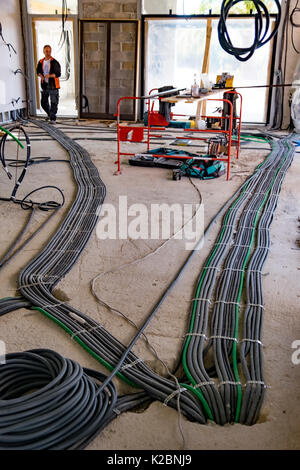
(135, 289)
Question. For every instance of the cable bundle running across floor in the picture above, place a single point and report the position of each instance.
(38, 279)
(212, 336)
(213, 333)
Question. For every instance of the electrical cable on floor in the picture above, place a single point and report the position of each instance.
(16, 163)
(146, 256)
(25, 203)
(200, 399)
(34, 160)
(50, 402)
(9, 304)
(80, 161)
(105, 304)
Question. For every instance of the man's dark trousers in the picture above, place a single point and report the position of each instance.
(54, 98)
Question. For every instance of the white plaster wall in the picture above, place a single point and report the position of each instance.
(11, 86)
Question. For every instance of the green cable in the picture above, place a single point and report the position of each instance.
(234, 350)
(201, 398)
(89, 350)
(184, 359)
(106, 364)
(254, 137)
(245, 139)
(11, 135)
(236, 330)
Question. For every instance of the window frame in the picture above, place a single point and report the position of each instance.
(145, 18)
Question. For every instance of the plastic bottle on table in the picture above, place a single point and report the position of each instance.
(195, 87)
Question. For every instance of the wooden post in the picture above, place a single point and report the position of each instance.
(201, 109)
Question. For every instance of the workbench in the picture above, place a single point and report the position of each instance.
(123, 130)
(193, 99)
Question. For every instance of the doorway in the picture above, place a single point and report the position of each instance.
(49, 31)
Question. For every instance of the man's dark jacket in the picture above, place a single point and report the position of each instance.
(54, 68)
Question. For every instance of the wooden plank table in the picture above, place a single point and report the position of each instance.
(199, 99)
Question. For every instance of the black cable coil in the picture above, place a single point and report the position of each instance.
(50, 402)
(261, 28)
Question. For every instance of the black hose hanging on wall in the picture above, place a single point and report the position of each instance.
(261, 32)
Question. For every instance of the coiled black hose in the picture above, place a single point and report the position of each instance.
(25, 162)
(50, 402)
(25, 202)
(261, 29)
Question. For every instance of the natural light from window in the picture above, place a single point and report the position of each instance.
(51, 7)
(197, 7)
(175, 50)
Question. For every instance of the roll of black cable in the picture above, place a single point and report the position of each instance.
(263, 30)
(50, 402)
(295, 11)
(25, 163)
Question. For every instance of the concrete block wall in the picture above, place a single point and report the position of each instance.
(122, 66)
(94, 37)
(120, 9)
(122, 54)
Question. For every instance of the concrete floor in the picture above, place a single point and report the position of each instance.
(135, 289)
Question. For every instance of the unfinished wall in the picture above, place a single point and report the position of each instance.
(121, 38)
(12, 86)
(94, 84)
(109, 9)
(122, 55)
(130, 9)
(122, 66)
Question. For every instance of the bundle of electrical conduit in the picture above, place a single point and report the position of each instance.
(216, 310)
(39, 278)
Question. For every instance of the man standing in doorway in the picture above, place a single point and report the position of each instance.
(48, 69)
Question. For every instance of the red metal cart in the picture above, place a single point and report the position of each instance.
(136, 133)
